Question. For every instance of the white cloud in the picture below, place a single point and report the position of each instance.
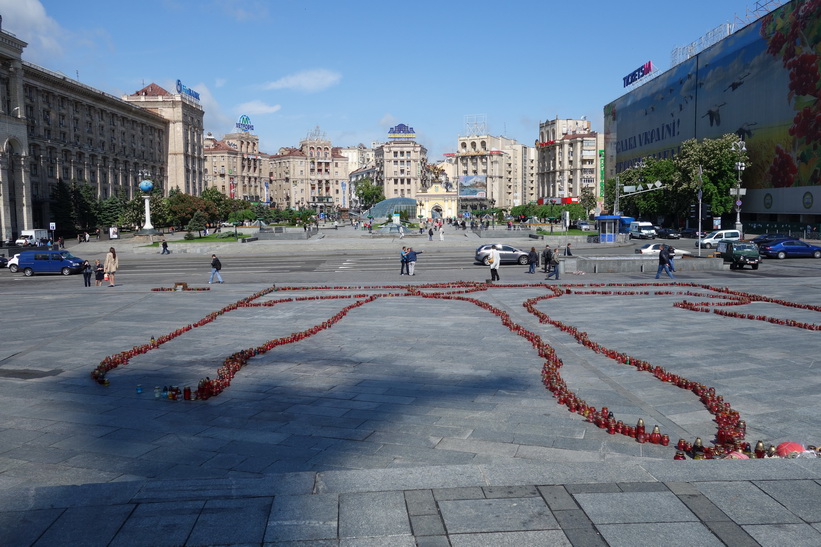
(220, 82)
(29, 22)
(307, 80)
(387, 121)
(257, 107)
(243, 10)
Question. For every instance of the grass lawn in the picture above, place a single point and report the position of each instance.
(221, 237)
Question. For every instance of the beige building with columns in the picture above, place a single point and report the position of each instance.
(54, 128)
(235, 166)
(401, 164)
(502, 172)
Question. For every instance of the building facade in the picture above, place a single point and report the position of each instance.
(568, 159)
(760, 84)
(493, 172)
(57, 129)
(185, 161)
(314, 175)
(235, 166)
(401, 164)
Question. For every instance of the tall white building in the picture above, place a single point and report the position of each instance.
(493, 172)
(401, 164)
(568, 159)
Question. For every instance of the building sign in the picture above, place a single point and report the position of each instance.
(401, 132)
(473, 187)
(185, 90)
(638, 74)
(244, 123)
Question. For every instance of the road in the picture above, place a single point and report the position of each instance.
(292, 265)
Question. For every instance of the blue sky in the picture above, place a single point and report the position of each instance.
(357, 69)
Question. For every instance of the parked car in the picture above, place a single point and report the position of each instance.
(655, 248)
(739, 254)
(668, 233)
(691, 233)
(789, 248)
(584, 226)
(44, 262)
(507, 254)
(12, 263)
(764, 239)
(4, 262)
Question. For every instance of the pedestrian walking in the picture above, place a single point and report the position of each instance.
(99, 273)
(430, 234)
(553, 265)
(111, 265)
(441, 234)
(412, 260)
(546, 258)
(567, 250)
(403, 258)
(532, 260)
(494, 259)
(216, 266)
(165, 250)
(664, 263)
(671, 252)
(87, 271)
(401, 232)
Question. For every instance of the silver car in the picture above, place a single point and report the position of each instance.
(507, 254)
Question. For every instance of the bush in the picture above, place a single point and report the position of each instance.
(188, 236)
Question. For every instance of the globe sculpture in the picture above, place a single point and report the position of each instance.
(146, 186)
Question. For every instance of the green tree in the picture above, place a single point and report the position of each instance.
(181, 208)
(133, 212)
(197, 222)
(587, 200)
(717, 159)
(369, 193)
(62, 211)
(111, 208)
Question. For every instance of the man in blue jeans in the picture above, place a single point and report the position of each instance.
(216, 266)
(664, 262)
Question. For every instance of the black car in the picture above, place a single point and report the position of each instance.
(4, 262)
(669, 233)
(765, 239)
(692, 233)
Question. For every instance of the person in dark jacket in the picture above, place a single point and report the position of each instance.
(403, 257)
(546, 254)
(216, 266)
(664, 262)
(412, 260)
(532, 260)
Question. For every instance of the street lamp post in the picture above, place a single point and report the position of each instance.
(740, 149)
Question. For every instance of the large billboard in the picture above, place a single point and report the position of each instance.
(473, 187)
(760, 83)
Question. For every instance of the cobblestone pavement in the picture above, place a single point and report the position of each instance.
(416, 418)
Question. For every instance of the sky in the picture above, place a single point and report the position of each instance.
(354, 70)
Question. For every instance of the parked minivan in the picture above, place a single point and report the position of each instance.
(642, 230)
(711, 240)
(44, 262)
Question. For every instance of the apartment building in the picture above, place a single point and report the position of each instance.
(235, 166)
(401, 164)
(58, 129)
(568, 159)
(313, 175)
(493, 172)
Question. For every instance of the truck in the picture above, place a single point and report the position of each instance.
(739, 254)
(31, 237)
(642, 230)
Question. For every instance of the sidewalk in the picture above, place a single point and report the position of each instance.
(409, 421)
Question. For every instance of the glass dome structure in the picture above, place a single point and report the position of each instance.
(387, 208)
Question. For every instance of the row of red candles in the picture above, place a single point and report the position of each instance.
(728, 435)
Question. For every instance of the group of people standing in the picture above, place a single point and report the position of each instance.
(101, 271)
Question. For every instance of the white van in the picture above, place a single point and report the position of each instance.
(711, 240)
(642, 230)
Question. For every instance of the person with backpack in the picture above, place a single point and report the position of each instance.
(216, 266)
